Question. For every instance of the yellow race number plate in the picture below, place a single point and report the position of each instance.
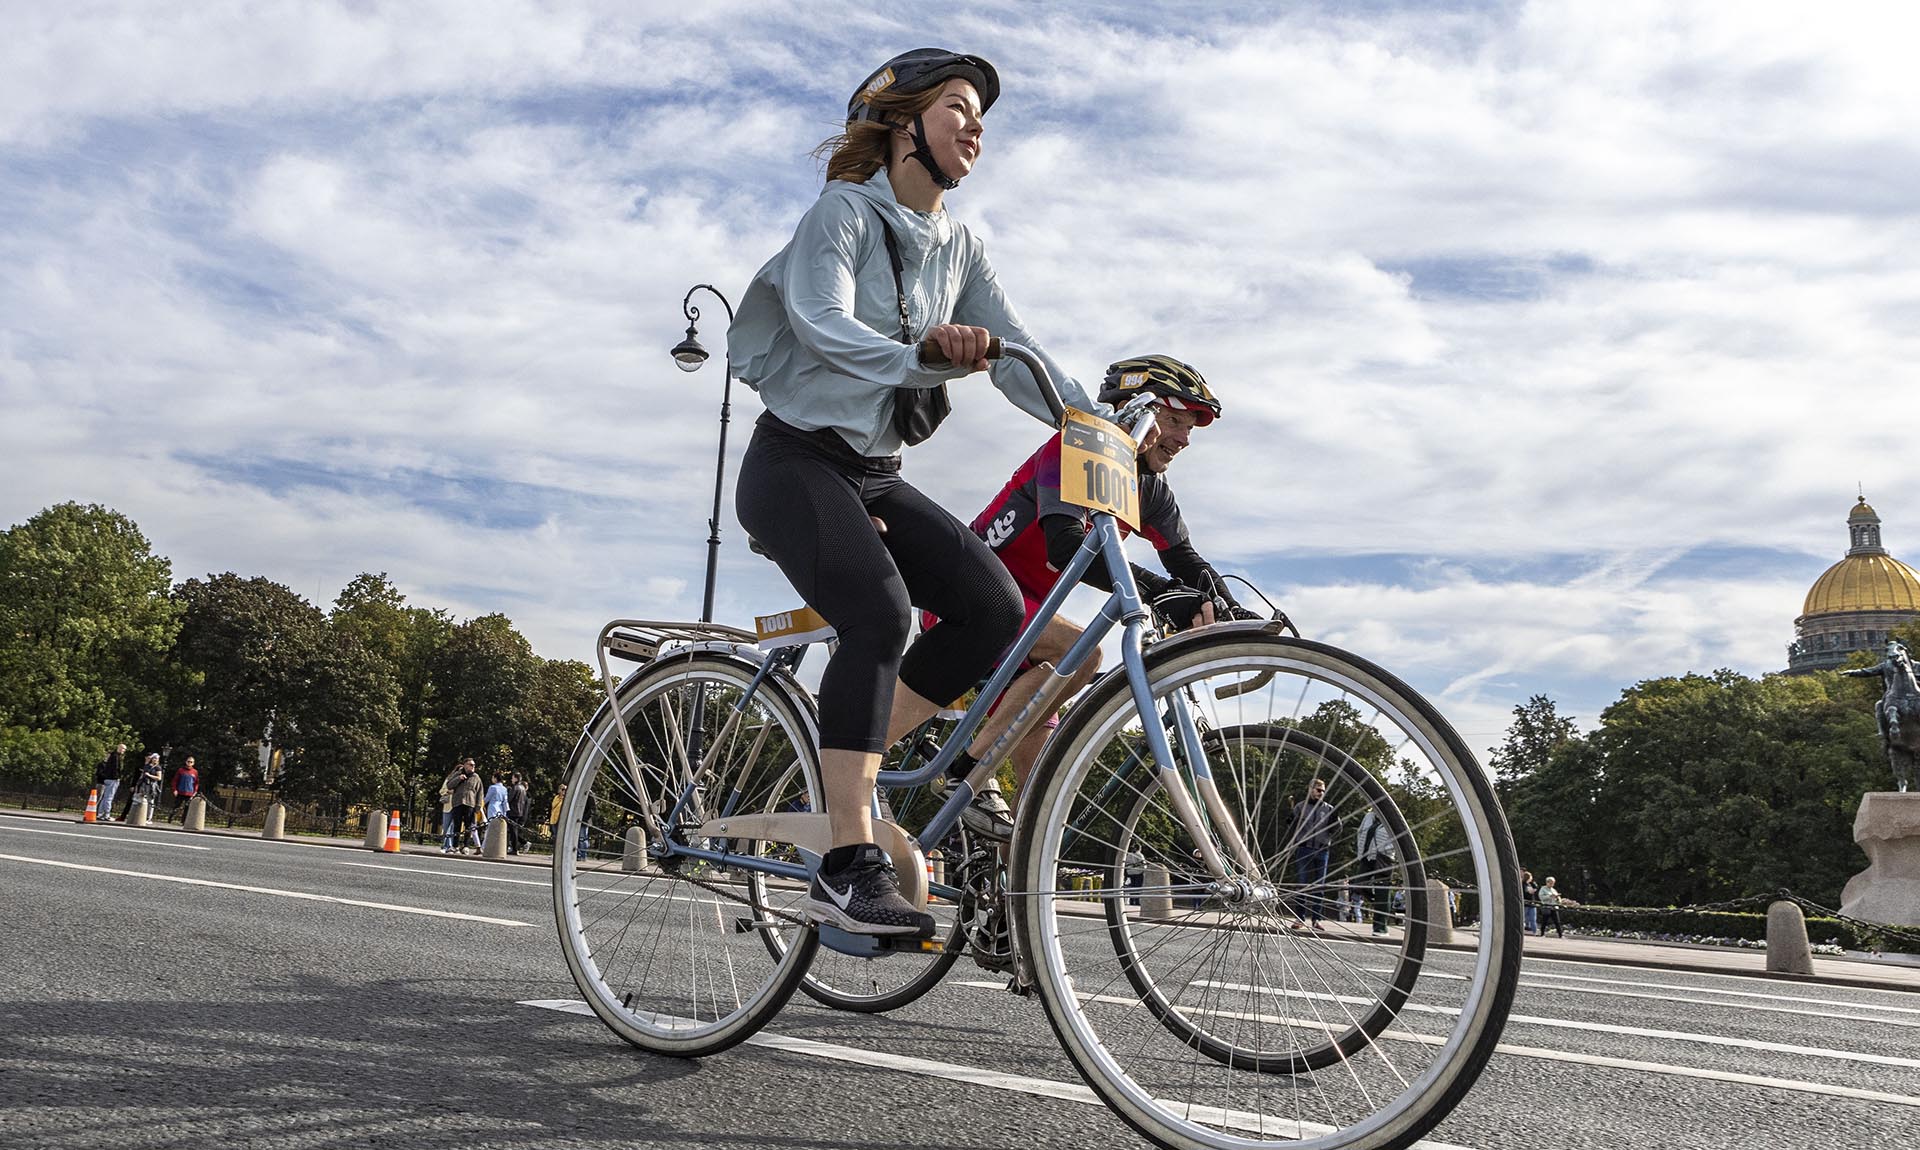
(1097, 467)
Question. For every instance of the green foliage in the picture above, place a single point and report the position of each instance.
(1702, 788)
(50, 761)
(85, 619)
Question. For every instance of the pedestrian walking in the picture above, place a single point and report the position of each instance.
(1378, 856)
(446, 818)
(463, 785)
(186, 784)
(516, 813)
(107, 777)
(1530, 901)
(1310, 835)
(1550, 903)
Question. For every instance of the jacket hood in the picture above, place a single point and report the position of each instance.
(919, 233)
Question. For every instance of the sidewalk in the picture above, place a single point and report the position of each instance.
(539, 860)
(1892, 972)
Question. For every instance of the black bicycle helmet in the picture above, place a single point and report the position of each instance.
(1178, 385)
(917, 71)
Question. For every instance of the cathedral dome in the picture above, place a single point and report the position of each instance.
(1864, 583)
(1856, 603)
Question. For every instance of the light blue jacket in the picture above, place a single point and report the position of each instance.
(817, 333)
(496, 800)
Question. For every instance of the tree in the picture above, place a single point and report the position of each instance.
(1538, 731)
(406, 641)
(481, 677)
(85, 621)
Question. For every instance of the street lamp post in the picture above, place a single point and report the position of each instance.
(690, 355)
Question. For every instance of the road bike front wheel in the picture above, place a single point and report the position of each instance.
(1204, 1018)
(668, 948)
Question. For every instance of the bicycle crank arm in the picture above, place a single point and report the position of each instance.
(812, 832)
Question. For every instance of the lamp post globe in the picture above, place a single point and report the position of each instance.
(688, 355)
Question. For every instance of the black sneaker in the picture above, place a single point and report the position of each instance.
(988, 815)
(865, 898)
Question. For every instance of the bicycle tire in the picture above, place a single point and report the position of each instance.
(1132, 1076)
(691, 1005)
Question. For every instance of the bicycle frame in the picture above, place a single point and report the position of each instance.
(1207, 820)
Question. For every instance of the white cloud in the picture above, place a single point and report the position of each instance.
(1497, 285)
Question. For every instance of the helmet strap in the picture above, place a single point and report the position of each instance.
(924, 154)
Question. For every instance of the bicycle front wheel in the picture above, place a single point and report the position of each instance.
(669, 950)
(1239, 1011)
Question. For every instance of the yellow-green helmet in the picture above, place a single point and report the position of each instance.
(1177, 384)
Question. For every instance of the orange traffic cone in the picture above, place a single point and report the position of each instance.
(393, 832)
(93, 807)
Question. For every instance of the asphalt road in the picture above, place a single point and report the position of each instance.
(138, 1010)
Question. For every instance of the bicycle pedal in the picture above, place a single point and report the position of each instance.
(874, 945)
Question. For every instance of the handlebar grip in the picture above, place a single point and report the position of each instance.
(932, 357)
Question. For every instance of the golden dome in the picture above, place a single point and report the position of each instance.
(1862, 510)
(1865, 583)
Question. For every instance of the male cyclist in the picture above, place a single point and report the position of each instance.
(1036, 534)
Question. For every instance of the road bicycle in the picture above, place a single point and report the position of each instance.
(1203, 1002)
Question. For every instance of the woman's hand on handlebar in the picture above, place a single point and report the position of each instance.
(961, 344)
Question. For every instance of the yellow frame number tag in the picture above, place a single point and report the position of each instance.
(1098, 468)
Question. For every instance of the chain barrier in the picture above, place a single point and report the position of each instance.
(1861, 927)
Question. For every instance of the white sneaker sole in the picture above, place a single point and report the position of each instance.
(831, 915)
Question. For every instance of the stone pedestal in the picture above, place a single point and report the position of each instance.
(1888, 829)
(1787, 949)
(1439, 914)
(1156, 901)
(196, 814)
(276, 824)
(494, 845)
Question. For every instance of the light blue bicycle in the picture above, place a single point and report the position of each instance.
(1158, 897)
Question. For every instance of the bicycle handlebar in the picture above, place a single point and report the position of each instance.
(932, 357)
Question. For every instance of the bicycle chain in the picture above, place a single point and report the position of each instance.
(727, 894)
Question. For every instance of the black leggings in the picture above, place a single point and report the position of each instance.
(806, 497)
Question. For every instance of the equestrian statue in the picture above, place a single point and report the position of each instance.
(1898, 710)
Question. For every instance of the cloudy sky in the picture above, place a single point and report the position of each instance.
(1554, 339)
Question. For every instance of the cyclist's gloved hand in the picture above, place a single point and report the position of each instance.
(1183, 607)
(1234, 612)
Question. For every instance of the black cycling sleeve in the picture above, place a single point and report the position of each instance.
(1064, 535)
(1186, 565)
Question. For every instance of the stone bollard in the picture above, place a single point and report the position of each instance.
(1788, 951)
(494, 845)
(1156, 901)
(196, 814)
(376, 830)
(276, 825)
(137, 813)
(1439, 914)
(634, 856)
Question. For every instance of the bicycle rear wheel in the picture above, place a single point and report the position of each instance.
(669, 951)
(1213, 1024)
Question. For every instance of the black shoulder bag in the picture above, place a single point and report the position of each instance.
(916, 410)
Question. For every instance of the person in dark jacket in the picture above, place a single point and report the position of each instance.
(107, 777)
(516, 813)
(464, 784)
(1310, 836)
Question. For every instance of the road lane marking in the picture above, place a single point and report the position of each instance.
(106, 838)
(450, 874)
(274, 891)
(1590, 1027)
(1519, 1051)
(1841, 1002)
(992, 1079)
(1754, 1006)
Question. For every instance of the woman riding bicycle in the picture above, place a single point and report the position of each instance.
(828, 334)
